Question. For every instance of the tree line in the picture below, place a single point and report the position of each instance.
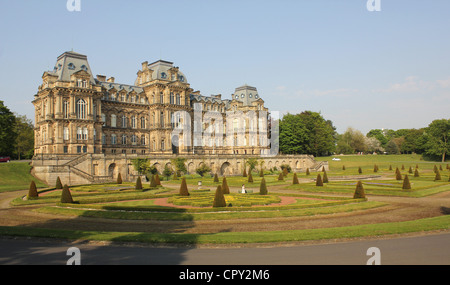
(309, 133)
(16, 134)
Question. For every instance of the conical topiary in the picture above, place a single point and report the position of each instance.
(343, 167)
(245, 173)
(403, 167)
(435, 169)
(250, 177)
(32, 192)
(375, 168)
(416, 173)
(281, 176)
(295, 179)
(359, 191)
(359, 170)
(325, 177)
(216, 178)
(138, 183)
(153, 182)
(438, 175)
(263, 187)
(183, 188)
(225, 188)
(285, 171)
(319, 181)
(119, 179)
(219, 198)
(390, 167)
(398, 175)
(410, 170)
(66, 197)
(307, 171)
(406, 184)
(261, 173)
(175, 176)
(58, 183)
(158, 182)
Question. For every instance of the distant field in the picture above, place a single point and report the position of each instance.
(16, 176)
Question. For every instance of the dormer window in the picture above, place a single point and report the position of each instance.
(83, 67)
(250, 95)
(181, 78)
(163, 75)
(71, 66)
(242, 95)
(256, 96)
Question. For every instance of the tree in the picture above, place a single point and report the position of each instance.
(153, 182)
(183, 188)
(58, 183)
(439, 134)
(263, 187)
(281, 176)
(398, 175)
(392, 148)
(351, 141)
(119, 179)
(24, 144)
(32, 192)
(379, 135)
(245, 172)
(157, 181)
(325, 177)
(416, 173)
(216, 178)
(359, 191)
(180, 164)
(438, 176)
(252, 163)
(66, 197)
(138, 183)
(8, 133)
(306, 133)
(202, 169)
(219, 198)
(167, 172)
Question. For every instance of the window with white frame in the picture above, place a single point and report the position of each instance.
(113, 139)
(66, 133)
(81, 109)
(113, 120)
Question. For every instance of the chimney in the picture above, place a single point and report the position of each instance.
(110, 80)
(145, 65)
(101, 78)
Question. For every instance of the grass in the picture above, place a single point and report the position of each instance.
(16, 176)
(381, 229)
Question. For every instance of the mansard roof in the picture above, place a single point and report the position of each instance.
(69, 63)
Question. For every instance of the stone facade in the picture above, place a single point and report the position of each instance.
(87, 129)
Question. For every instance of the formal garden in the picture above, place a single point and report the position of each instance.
(259, 195)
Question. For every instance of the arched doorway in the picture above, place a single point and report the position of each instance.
(225, 169)
(113, 171)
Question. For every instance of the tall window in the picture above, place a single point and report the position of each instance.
(79, 134)
(85, 133)
(113, 139)
(171, 98)
(133, 140)
(66, 109)
(66, 133)
(124, 121)
(161, 119)
(142, 122)
(161, 98)
(178, 99)
(81, 109)
(124, 139)
(162, 145)
(103, 139)
(113, 121)
(133, 122)
(143, 140)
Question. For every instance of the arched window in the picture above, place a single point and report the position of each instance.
(124, 139)
(113, 139)
(124, 121)
(81, 109)
(142, 122)
(133, 122)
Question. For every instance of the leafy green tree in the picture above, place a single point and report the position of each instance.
(8, 133)
(252, 163)
(180, 164)
(439, 135)
(379, 135)
(202, 169)
(24, 144)
(307, 133)
(167, 172)
(392, 148)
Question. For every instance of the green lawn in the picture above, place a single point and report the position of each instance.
(16, 176)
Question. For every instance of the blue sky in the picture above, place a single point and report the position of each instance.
(366, 70)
